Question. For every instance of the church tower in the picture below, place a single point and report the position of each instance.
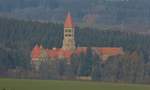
(69, 41)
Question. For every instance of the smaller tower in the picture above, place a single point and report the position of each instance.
(69, 41)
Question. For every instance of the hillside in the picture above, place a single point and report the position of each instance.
(128, 15)
(19, 37)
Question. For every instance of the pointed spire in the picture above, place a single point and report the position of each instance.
(41, 47)
(69, 21)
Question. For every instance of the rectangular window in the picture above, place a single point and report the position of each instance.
(68, 30)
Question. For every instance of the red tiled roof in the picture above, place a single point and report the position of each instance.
(68, 54)
(36, 52)
(68, 22)
(110, 51)
(55, 53)
(80, 50)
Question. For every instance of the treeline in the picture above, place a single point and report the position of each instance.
(17, 38)
(107, 12)
(129, 68)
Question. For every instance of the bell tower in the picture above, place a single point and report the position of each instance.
(68, 41)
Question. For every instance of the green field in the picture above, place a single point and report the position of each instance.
(12, 84)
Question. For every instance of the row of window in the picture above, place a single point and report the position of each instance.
(68, 30)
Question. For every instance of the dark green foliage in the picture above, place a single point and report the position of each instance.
(96, 73)
(75, 63)
(86, 63)
(19, 37)
(126, 68)
(132, 14)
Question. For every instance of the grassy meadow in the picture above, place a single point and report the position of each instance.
(14, 84)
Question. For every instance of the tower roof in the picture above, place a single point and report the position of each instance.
(68, 22)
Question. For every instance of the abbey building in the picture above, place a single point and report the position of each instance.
(69, 48)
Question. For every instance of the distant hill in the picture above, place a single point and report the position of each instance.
(129, 15)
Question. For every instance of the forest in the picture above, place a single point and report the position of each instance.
(132, 15)
(18, 38)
